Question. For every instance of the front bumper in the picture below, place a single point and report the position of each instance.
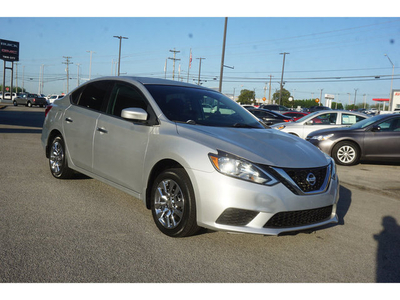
(229, 204)
(324, 146)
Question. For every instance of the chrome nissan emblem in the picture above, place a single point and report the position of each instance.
(311, 179)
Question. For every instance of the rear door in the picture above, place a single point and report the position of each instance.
(80, 119)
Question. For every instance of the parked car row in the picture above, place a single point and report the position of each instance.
(348, 136)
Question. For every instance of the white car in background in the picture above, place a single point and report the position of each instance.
(320, 120)
(53, 98)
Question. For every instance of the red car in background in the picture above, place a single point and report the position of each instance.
(295, 114)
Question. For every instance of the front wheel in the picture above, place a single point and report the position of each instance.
(346, 153)
(173, 204)
(15, 103)
(57, 160)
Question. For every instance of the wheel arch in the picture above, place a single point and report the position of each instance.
(51, 136)
(159, 167)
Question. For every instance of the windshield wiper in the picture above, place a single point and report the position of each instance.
(243, 125)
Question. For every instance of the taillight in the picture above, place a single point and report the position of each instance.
(48, 107)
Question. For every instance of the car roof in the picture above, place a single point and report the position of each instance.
(151, 80)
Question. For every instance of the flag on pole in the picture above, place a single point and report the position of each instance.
(190, 59)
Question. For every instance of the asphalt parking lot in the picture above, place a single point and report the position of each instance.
(82, 230)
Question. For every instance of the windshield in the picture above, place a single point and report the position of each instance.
(203, 107)
(307, 117)
(366, 122)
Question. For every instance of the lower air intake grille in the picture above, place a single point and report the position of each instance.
(236, 217)
(299, 218)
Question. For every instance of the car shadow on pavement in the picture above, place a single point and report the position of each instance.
(20, 130)
(388, 255)
(343, 204)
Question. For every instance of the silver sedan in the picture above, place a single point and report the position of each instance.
(192, 155)
(320, 120)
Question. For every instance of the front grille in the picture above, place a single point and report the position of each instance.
(299, 176)
(236, 217)
(299, 218)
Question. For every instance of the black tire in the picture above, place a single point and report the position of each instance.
(57, 160)
(15, 103)
(346, 153)
(29, 104)
(173, 203)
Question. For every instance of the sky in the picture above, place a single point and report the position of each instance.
(338, 54)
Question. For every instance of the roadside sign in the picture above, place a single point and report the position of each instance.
(9, 50)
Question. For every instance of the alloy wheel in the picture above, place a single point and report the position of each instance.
(169, 204)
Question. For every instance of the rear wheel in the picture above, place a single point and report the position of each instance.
(29, 104)
(15, 103)
(173, 205)
(346, 153)
(57, 160)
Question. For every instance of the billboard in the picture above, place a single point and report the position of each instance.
(395, 100)
(9, 50)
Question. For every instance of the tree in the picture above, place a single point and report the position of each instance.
(284, 98)
(246, 97)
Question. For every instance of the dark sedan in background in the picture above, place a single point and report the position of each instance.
(269, 117)
(376, 139)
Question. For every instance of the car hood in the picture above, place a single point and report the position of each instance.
(263, 146)
(331, 130)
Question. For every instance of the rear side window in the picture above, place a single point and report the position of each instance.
(348, 119)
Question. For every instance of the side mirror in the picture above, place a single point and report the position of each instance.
(376, 128)
(310, 122)
(134, 113)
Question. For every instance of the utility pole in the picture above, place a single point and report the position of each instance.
(391, 85)
(90, 65)
(320, 98)
(78, 74)
(16, 79)
(200, 58)
(119, 56)
(67, 62)
(23, 75)
(190, 64)
(283, 67)
(355, 97)
(173, 59)
(41, 79)
(269, 97)
(223, 57)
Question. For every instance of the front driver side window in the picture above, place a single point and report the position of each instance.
(125, 96)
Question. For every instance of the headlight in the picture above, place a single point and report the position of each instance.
(322, 137)
(237, 167)
(280, 127)
(333, 166)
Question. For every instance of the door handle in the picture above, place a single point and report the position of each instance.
(101, 130)
(69, 120)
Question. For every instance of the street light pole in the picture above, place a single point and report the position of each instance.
(119, 56)
(283, 67)
(391, 85)
(223, 57)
